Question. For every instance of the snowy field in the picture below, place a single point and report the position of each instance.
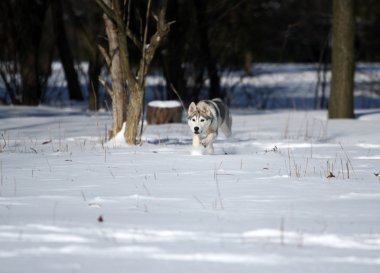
(288, 192)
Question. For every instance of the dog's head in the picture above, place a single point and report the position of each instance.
(199, 117)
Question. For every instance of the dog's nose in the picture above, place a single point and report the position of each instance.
(196, 129)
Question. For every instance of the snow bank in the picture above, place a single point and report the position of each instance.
(165, 103)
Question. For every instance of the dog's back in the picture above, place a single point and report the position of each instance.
(222, 115)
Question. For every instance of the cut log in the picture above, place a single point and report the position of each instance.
(159, 112)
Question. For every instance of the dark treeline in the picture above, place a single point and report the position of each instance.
(206, 36)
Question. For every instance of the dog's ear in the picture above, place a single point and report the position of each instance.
(205, 109)
(192, 109)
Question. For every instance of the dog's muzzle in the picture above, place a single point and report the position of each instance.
(196, 130)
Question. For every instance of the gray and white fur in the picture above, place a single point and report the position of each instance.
(205, 119)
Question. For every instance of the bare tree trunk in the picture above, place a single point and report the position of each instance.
(65, 51)
(248, 60)
(29, 77)
(118, 90)
(210, 62)
(119, 62)
(341, 98)
(172, 62)
(31, 15)
(137, 84)
(135, 105)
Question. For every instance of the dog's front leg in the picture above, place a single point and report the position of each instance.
(201, 143)
(209, 139)
(197, 146)
(196, 141)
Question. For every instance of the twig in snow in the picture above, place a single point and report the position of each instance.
(199, 201)
(219, 193)
(348, 160)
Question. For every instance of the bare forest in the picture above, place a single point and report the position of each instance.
(105, 50)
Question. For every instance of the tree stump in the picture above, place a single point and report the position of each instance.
(159, 112)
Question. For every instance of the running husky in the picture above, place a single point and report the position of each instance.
(205, 118)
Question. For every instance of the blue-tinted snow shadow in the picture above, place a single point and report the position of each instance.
(168, 141)
(44, 111)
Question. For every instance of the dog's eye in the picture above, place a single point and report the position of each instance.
(202, 120)
(193, 119)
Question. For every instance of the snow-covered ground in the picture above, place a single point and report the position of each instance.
(262, 203)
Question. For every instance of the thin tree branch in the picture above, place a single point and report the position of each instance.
(106, 9)
(142, 63)
(162, 30)
(130, 34)
(105, 55)
(106, 86)
(134, 39)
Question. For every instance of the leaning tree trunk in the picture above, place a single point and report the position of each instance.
(341, 98)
